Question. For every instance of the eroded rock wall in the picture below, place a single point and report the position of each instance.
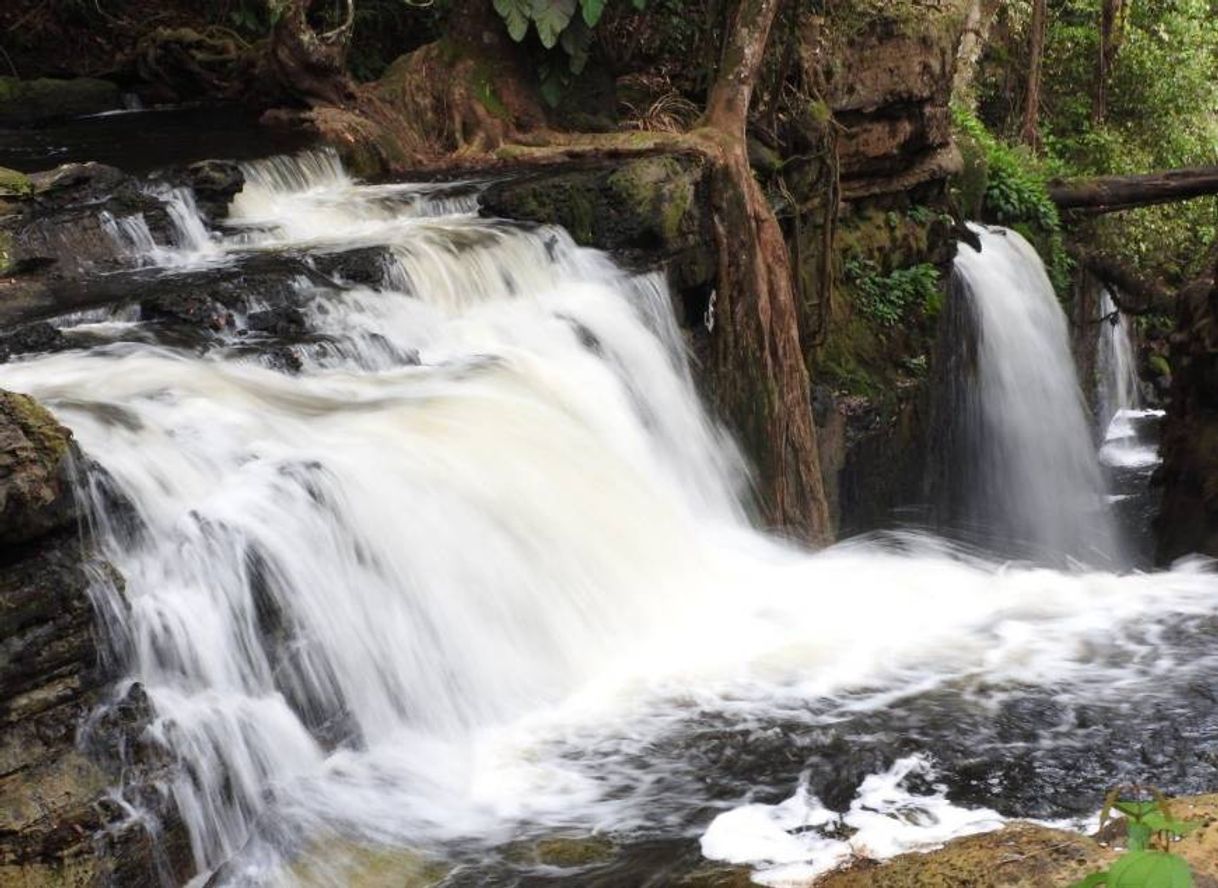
(1188, 516)
(62, 754)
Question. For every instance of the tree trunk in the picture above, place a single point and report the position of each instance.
(757, 364)
(309, 65)
(1110, 15)
(1029, 132)
(1105, 194)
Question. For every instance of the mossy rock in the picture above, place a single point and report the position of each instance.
(653, 208)
(14, 184)
(31, 101)
(35, 470)
(563, 852)
(1021, 855)
(364, 866)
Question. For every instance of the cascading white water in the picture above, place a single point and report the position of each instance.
(466, 573)
(1118, 402)
(1116, 372)
(1036, 482)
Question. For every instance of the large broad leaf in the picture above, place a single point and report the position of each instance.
(552, 18)
(576, 41)
(1149, 869)
(1135, 809)
(515, 13)
(592, 10)
(1137, 836)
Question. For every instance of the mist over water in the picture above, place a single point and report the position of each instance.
(482, 570)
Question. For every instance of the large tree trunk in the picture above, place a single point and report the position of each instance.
(1029, 132)
(1110, 19)
(308, 65)
(1104, 194)
(757, 363)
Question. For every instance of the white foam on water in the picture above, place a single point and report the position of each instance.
(459, 577)
(788, 846)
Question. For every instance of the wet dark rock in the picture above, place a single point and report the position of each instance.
(286, 320)
(365, 266)
(57, 825)
(32, 338)
(193, 310)
(58, 228)
(31, 101)
(214, 183)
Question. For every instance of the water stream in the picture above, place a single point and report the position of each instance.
(480, 571)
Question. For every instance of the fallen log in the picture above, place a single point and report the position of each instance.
(1106, 194)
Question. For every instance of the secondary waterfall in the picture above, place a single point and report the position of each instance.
(1032, 477)
(1115, 369)
(480, 571)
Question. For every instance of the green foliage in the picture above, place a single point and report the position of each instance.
(1150, 828)
(1015, 193)
(1161, 96)
(888, 298)
(554, 20)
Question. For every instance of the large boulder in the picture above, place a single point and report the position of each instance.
(36, 464)
(59, 824)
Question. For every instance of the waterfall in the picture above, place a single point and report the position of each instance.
(1032, 480)
(1116, 371)
(481, 568)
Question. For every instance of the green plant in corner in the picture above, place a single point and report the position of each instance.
(1150, 828)
(564, 23)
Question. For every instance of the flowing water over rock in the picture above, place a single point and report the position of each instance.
(1029, 481)
(477, 571)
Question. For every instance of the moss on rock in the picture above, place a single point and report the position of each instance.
(30, 101)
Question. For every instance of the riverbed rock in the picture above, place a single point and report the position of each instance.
(650, 211)
(1021, 855)
(31, 101)
(58, 825)
(36, 465)
(214, 182)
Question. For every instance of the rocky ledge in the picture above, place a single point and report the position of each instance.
(60, 820)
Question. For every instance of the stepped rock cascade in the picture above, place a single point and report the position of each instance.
(1033, 480)
(479, 570)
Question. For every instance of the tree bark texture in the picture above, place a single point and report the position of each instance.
(1105, 194)
(1029, 131)
(309, 65)
(757, 367)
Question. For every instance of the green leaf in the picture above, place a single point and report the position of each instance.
(551, 18)
(515, 13)
(1159, 822)
(1138, 835)
(1091, 881)
(592, 10)
(1136, 810)
(1149, 869)
(576, 41)
(640, 4)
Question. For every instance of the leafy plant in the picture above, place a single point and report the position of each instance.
(887, 298)
(1150, 828)
(563, 23)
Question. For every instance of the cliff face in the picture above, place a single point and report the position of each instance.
(1188, 516)
(862, 194)
(60, 755)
